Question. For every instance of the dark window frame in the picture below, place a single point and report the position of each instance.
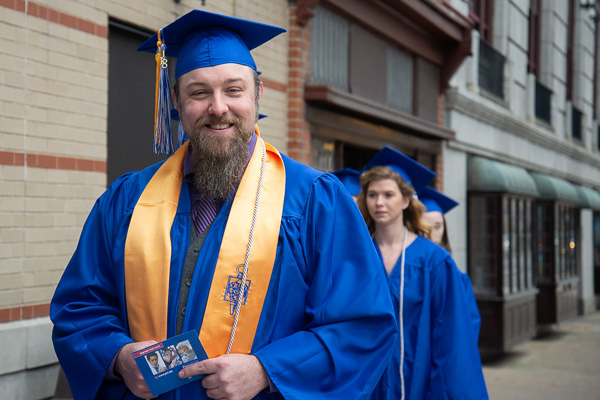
(482, 12)
(543, 94)
(570, 49)
(533, 54)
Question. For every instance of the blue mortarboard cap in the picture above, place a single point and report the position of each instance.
(203, 39)
(436, 201)
(199, 39)
(350, 178)
(415, 174)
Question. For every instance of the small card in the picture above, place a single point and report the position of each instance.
(161, 362)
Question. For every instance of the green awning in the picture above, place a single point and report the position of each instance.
(589, 197)
(555, 189)
(494, 176)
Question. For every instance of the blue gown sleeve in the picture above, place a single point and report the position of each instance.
(457, 371)
(472, 305)
(351, 329)
(86, 310)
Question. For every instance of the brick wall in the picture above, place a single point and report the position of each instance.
(53, 147)
(53, 126)
(299, 71)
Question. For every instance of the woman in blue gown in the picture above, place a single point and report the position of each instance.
(436, 355)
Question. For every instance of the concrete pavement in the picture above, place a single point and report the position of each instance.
(562, 363)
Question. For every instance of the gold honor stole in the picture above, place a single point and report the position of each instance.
(148, 253)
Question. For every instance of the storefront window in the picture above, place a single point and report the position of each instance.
(597, 253)
(556, 241)
(521, 239)
(484, 244)
(322, 154)
(500, 255)
(505, 246)
(527, 234)
(544, 234)
(515, 248)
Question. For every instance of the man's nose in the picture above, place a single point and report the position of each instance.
(218, 105)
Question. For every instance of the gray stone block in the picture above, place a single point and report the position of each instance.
(40, 351)
(36, 384)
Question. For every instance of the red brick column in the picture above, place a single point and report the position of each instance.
(299, 72)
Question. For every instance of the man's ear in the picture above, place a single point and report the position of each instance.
(174, 98)
(260, 90)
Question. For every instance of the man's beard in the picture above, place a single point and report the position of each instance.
(219, 161)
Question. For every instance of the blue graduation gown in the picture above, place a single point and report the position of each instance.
(327, 328)
(441, 358)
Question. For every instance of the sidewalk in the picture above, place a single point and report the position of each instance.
(562, 364)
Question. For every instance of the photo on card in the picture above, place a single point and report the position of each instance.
(186, 351)
(161, 362)
(155, 363)
(171, 357)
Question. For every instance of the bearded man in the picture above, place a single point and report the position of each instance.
(268, 259)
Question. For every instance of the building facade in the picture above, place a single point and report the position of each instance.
(526, 163)
(511, 132)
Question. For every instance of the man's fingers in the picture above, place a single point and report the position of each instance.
(198, 368)
(126, 366)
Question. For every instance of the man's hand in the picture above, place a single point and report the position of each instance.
(126, 366)
(230, 376)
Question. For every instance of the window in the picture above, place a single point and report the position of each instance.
(491, 69)
(500, 241)
(322, 154)
(482, 11)
(543, 97)
(533, 56)
(576, 123)
(570, 49)
(491, 62)
(555, 233)
(400, 78)
(350, 58)
(597, 253)
(567, 222)
(544, 239)
(542, 93)
(329, 51)
(596, 63)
